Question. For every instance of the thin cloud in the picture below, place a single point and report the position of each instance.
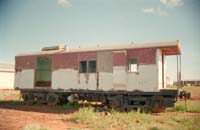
(172, 3)
(156, 11)
(64, 3)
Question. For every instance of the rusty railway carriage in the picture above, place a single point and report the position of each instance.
(126, 76)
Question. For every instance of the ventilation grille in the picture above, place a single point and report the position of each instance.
(51, 48)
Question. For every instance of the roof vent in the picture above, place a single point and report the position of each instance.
(52, 48)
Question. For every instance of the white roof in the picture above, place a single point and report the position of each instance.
(108, 47)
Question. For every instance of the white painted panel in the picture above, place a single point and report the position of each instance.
(145, 80)
(24, 79)
(88, 81)
(71, 79)
(119, 78)
(6, 80)
(105, 81)
(17, 79)
(133, 81)
(165, 74)
(159, 64)
(65, 79)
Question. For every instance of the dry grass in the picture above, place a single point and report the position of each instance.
(189, 106)
(192, 89)
(179, 119)
(9, 95)
(134, 120)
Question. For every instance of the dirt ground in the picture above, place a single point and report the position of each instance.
(195, 97)
(16, 117)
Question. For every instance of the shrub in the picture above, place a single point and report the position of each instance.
(134, 120)
(154, 128)
(191, 106)
(180, 107)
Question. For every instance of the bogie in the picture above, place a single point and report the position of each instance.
(145, 102)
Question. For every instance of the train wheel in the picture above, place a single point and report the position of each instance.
(41, 98)
(28, 98)
(52, 99)
(157, 104)
(117, 102)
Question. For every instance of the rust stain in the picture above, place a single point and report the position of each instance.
(79, 80)
(87, 75)
(18, 70)
(97, 79)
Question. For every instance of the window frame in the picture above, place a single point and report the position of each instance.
(88, 69)
(129, 65)
(81, 68)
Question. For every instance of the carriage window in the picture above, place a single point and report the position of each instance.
(87, 66)
(83, 67)
(133, 66)
(92, 66)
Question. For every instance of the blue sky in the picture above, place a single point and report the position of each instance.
(29, 25)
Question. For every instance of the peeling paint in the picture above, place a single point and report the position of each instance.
(87, 75)
(79, 80)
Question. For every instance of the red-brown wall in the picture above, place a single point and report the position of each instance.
(65, 60)
(25, 62)
(83, 56)
(119, 58)
(143, 56)
(71, 60)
